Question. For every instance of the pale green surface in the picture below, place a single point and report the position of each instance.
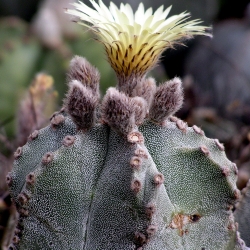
(195, 185)
(83, 200)
(49, 139)
(61, 200)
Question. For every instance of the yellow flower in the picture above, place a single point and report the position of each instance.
(135, 41)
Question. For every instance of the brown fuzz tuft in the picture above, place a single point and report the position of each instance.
(17, 231)
(23, 212)
(219, 145)
(135, 162)
(231, 226)
(181, 125)
(82, 71)
(12, 247)
(136, 186)
(141, 153)
(18, 152)
(57, 120)
(127, 84)
(30, 178)
(140, 110)
(47, 158)
(237, 194)
(225, 171)
(158, 179)
(173, 118)
(150, 210)
(167, 100)
(15, 239)
(33, 135)
(151, 230)
(198, 130)
(68, 140)
(204, 150)
(54, 114)
(118, 111)
(140, 239)
(9, 179)
(235, 169)
(146, 89)
(229, 207)
(135, 137)
(62, 110)
(81, 105)
(23, 198)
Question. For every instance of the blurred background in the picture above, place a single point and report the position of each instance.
(37, 41)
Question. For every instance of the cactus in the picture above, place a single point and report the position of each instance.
(242, 214)
(124, 173)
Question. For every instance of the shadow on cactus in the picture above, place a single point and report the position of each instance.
(124, 173)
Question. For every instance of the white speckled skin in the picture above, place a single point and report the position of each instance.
(115, 186)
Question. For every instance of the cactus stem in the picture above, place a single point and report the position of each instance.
(30, 178)
(18, 153)
(219, 145)
(204, 150)
(135, 162)
(33, 135)
(135, 137)
(47, 158)
(68, 140)
(57, 120)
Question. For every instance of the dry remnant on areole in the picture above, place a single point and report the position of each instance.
(124, 173)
